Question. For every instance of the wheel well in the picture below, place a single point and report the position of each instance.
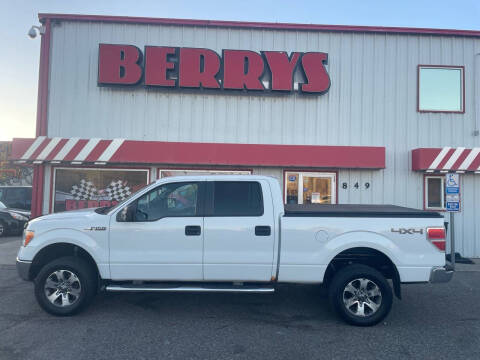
(55, 251)
(366, 256)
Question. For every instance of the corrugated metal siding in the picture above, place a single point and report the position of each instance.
(372, 101)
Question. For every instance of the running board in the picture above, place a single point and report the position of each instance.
(186, 288)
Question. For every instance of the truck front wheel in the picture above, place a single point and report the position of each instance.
(361, 295)
(65, 286)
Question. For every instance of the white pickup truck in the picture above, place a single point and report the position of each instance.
(232, 234)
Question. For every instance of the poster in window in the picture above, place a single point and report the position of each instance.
(316, 198)
(86, 188)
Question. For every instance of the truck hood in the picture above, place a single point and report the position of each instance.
(76, 220)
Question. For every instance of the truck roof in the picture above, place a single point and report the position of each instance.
(217, 177)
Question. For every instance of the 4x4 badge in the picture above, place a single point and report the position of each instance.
(403, 231)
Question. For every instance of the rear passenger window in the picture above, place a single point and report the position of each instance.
(237, 198)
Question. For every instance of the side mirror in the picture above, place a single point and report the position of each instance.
(127, 213)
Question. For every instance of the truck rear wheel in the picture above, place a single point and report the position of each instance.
(65, 286)
(361, 295)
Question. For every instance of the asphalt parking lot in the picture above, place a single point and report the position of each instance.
(431, 322)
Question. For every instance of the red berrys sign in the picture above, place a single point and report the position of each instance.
(194, 68)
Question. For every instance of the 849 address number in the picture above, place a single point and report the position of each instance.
(356, 185)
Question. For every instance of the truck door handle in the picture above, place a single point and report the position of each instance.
(262, 230)
(192, 230)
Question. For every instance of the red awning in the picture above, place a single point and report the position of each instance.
(121, 151)
(446, 159)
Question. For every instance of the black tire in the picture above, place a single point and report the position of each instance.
(86, 287)
(3, 229)
(353, 275)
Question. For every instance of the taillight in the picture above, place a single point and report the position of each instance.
(437, 237)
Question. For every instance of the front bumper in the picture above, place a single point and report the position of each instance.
(441, 274)
(23, 268)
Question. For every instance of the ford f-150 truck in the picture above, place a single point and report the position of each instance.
(232, 234)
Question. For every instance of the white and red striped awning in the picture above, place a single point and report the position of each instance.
(121, 151)
(446, 159)
(57, 150)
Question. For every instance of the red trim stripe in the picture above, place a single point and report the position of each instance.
(258, 25)
(250, 154)
(42, 101)
(423, 157)
(37, 190)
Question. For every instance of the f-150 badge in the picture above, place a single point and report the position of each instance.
(403, 231)
(96, 228)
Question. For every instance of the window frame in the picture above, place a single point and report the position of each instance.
(200, 201)
(425, 192)
(460, 67)
(210, 199)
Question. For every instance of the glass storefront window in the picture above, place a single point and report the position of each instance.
(310, 188)
(85, 188)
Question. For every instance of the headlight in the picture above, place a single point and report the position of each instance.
(18, 216)
(27, 237)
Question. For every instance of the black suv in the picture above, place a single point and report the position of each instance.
(12, 221)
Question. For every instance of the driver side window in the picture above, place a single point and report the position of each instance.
(168, 200)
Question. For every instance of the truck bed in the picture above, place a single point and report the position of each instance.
(356, 210)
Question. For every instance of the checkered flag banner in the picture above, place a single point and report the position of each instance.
(84, 191)
(118, 191)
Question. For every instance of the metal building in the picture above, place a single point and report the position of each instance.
(345, 114)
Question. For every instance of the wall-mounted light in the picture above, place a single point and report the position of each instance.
(35, 30)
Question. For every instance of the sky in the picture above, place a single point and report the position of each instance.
(20, 56)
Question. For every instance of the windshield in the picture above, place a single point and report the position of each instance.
(109, 209)
(2, 205)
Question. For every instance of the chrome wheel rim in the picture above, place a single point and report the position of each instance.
(62, 288)
(362, 297)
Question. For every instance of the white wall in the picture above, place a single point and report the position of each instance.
(372, 101)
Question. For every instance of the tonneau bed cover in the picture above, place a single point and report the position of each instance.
(356, 210)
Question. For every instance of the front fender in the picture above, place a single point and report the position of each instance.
(94, 244)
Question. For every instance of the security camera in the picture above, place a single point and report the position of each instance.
(32, 33)
(35, 30)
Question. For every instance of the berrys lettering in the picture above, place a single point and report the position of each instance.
(194, 68)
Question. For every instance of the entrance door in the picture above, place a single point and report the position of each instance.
(239, 231)
(310, 188)
(160, 235)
